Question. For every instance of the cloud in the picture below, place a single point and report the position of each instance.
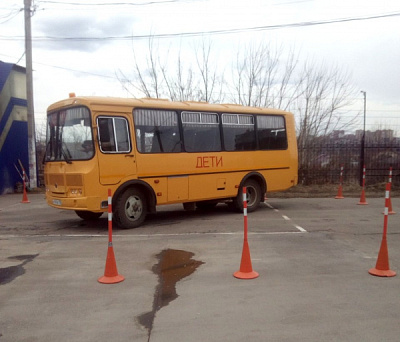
(81, 32)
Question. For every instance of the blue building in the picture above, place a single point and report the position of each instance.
(13, 126)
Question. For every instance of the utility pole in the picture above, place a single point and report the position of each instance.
(362, 157)
(29, 96)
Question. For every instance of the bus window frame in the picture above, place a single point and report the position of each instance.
(201, 124)
(129, 138)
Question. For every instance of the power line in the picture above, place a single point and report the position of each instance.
(112, 4)
(8, 17)
(202, 33)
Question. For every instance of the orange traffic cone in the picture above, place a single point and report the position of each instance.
(362, 198)
(111, 275)
(24, 196)
(246, 269)
(340, 193)
(382, 268)
(391, 212)
(382, 264)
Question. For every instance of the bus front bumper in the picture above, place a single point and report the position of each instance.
(94, 204)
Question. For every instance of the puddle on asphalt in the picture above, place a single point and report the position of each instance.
(8, 274)
(173, 265)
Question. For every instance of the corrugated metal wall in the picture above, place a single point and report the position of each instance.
(13, 125)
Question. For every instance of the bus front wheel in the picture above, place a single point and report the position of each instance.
(253, 196)
(131, 209)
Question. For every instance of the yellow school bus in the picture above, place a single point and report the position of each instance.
(151, 152)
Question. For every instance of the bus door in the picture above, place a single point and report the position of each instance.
(116, 157)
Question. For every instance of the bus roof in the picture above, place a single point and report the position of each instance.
(128, 103)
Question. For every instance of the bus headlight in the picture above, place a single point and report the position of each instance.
(76, 192)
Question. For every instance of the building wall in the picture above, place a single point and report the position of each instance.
(13, 125)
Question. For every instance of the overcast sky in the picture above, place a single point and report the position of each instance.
(362, 37)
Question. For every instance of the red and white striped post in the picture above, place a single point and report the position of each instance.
(382, 268)
(246, 269)
(340, 190)
(390, 212)
(109, 215)
(245, 212)
(362, 198)
(111, 275)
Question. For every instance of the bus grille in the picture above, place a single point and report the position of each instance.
(70, 180)
(74, 180)
(55, 179)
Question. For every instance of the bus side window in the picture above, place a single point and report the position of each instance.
(271, 132)
(106, 134)
(239, 132)
(113, 134)
(201, 131)
(157, 131)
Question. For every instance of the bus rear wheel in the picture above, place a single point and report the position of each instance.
(253, 196)
(131, 209)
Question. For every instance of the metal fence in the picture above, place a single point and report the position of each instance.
(319, 163)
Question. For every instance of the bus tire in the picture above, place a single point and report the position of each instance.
(88, 215)
(131, 209)
(253, 196)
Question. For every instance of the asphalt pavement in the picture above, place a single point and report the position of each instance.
(312, 256)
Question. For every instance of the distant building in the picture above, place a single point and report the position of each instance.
(13, 126)
(337, 134)
(378, 136)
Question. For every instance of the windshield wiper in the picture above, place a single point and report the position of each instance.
(66, 154)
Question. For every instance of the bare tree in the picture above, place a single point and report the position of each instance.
(262, 76)
(261, 79)
(148, 79)
(180, 84)
(322, 95)
(209, 78)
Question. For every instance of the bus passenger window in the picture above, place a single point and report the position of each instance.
(157, 131)
(201, 132)
(239, 133)
(271, 132)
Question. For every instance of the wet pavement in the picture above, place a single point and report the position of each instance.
(173, 265)
(313, 257)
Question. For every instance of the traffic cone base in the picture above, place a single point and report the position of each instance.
(246, 269)
(382, 273)
(111, 280)
(390, 213)
(246, 275)
(111, 275)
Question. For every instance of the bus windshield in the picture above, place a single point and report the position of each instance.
(69, 135)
